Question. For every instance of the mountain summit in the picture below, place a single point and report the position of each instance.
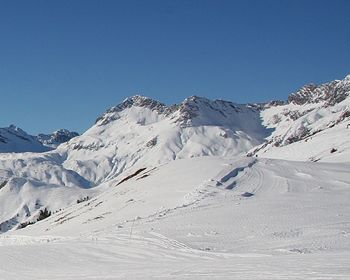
(141, 131)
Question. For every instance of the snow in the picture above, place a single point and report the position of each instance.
(295, 226)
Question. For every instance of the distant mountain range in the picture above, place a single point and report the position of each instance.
(15, 140)
(145, 133)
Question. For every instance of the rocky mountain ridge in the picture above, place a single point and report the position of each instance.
(309, 111)
(327, 94)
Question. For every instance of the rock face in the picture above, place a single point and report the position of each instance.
(309, 112)
(56, 138)
(329, 94)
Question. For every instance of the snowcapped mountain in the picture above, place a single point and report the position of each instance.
(141, 131)
(13, 139)
(56, 138)
(151, 184)
(138, 133)
(312, 125)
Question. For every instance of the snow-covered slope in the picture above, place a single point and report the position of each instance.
(200, 218)
(313, 125)
(15, 140)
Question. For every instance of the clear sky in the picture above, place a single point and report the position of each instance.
(64, 62)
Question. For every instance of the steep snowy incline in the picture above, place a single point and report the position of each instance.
(313, 125)
(144, 132)
(244, 218)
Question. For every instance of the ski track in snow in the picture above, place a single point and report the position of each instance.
(296, 225)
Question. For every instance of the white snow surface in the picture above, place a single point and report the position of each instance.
(201, 218)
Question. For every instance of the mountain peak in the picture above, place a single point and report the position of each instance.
(133, 101)
(138, 101)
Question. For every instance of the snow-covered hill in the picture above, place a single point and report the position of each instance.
(313, 125)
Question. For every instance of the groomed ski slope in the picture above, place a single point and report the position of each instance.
(200, 218)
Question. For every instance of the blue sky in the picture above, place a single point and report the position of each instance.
(63, 63)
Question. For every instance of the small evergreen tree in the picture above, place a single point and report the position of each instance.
(44, 214)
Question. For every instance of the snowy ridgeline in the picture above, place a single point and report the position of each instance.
(141, 132)
(174, 181)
